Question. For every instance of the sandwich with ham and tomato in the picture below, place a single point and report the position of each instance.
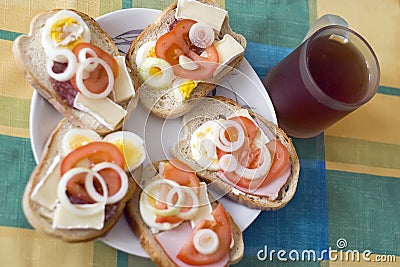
(82, 183)
(239, 153)
(176, 221)
(183, 55)
(76, 66)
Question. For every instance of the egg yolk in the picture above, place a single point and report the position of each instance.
(186, 88)
(65, 30)
(155, 71)
(151, 52)
(131, 153)
(78, 141)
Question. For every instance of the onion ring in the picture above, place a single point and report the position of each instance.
(222, 142)
(81, 209)
(122, 175)
(148, 192)
(259, 172)
(206, 241)
(63, 56)
(80, 72)
(82, 56)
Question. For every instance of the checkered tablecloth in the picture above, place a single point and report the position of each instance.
(348, 195)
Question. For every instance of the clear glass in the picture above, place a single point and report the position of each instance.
(328, 76)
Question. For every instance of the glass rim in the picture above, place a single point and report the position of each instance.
(318, 93)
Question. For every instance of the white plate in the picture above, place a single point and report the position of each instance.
(123, 26)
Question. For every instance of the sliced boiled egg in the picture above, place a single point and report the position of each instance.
(75, 138)
(64, 30)
(203, 147)
(156, 73)
(146, 50)
(131, 146)
(184, 87)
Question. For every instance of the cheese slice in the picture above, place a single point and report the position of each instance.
(64, 218)
(45, 192)
(200, 12)
(228, 48)
(123, 87)
(104, 110)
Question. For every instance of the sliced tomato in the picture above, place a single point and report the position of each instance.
(222, 227)
(279, 161)
(98, 80)
(250, 128)
(182, 174)
(93, 153)
(176, 43)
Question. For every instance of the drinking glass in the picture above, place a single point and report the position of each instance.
(332, 73)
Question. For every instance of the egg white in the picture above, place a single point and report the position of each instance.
(75, 138)
(202, 145)
(49, 43)
(132, 147)
(143, 52)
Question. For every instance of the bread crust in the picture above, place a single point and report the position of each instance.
(31, 59)
(32, 209)
(156, 103)
(145, 236)
(253, 201)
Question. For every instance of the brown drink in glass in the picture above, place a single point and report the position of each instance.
(328, 76)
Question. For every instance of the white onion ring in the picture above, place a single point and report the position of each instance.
(122, 175)
(82, 57)
(259, 172)
(211, 244)
(79, 209)
(201, 35)
(228, 163)
(80, 72)
(186, 215)
(181, 197)
(224, 144)
(148, 192)
(63, 56)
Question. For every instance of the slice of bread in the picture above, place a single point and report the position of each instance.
(162, 102)
(145, 235)
(38, 216)
(31, 59)
(211, 108)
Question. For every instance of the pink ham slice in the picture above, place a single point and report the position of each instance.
(173, 240)
(270, 190)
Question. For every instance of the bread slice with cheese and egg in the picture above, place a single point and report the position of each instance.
(59, 198)
(46, 57)
(211, 145)
(171, 62)
(193, 233)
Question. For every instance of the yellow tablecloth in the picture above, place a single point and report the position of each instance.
(349, 188)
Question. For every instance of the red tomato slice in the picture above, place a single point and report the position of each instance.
(176, 43)
(280, 160)
(250, 128)
(98, 80)
(222, 227)
(95, 152)
(182, 174)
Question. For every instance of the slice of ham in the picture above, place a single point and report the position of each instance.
(173, 240)
(270, 190)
